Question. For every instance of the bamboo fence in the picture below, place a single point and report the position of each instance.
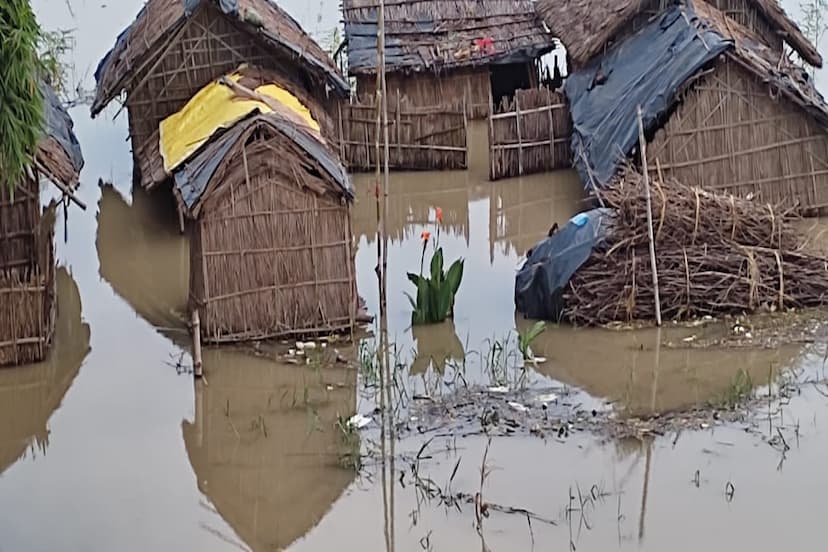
(420, 138)
(529, 133)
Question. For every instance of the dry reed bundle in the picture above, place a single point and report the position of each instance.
(715, 255)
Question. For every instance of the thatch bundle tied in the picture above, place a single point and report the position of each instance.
(715, 255)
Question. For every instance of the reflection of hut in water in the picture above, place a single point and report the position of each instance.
(143, 256)
(438, 52)
(27, 272)
(522, 211)
(29, 395)
(723, 107)
(271, 246)
(174, 48)
(412, 199)
(268, 461)
(630, 368)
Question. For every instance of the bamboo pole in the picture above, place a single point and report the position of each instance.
(197, 365)
(643, 147)
(519, 139)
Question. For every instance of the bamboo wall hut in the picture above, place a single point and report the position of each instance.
(455, 50)
(26, 259)
(271, 246)
(174, 48)
(722, 108)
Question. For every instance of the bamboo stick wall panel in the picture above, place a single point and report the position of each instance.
(731, 134)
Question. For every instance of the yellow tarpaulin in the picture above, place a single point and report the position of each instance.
(215, 106)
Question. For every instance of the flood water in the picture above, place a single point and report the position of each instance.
(111, 445)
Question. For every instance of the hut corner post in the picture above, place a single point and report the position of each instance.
(643, 148)
(197, 364)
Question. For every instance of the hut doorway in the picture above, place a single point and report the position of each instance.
(507, 78)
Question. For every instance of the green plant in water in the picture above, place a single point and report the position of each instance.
(436, 293)
(21, 102)
(525, 339)
(350, 456)
(434, 302)
(739, 390)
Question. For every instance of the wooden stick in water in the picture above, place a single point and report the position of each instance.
(643, 147)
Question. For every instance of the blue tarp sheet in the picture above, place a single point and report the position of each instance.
(60, 127)
(192, 178)
(645, 69)
(540, 282)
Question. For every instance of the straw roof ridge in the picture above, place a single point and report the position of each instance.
(751, 53)
(158, 20)
(586, 26)
(194, 180)
(441, 34)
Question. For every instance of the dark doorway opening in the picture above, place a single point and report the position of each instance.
(507, 78)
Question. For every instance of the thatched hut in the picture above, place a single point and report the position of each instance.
(26, 259)
(437, 51)
(174, 48)
(722, 107)
(271, 246)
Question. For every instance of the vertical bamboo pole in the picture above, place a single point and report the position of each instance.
(341, 135)
(520, 140)
(643, 148)
(491, 140)
(551, 133)
(197, 366)
(399, 131)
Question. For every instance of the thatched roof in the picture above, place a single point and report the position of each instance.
(202, 174)
(58, 152)
(586, 26)
(650, 68)
(442, 34)
(159, 19)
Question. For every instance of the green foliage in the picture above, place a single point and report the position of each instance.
(739, 390)
(525, 339)
(435, 294)
(21, 103)
(53, 47)
(814, 22)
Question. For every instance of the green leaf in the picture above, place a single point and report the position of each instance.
(455, 276)
(437, 266)
(414, 278)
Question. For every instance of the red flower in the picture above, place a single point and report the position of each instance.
(439, 211)
(425, 236)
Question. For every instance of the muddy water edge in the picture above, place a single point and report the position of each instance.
(111, 446)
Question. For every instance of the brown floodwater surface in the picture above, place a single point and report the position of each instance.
(110, 445)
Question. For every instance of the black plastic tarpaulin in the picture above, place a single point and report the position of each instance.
(540, 282)
(58, 125)
(646, 70)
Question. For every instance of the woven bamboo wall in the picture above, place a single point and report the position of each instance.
(529, 133)
(27, 312)
(208, 46)
(19, 218)
(472, 86)
(421, 138)
(731, 135)
(271, 258)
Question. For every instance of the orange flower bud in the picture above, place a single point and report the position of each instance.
(425, 236)
(439, 215)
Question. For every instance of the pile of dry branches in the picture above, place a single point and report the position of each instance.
(715, 255)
